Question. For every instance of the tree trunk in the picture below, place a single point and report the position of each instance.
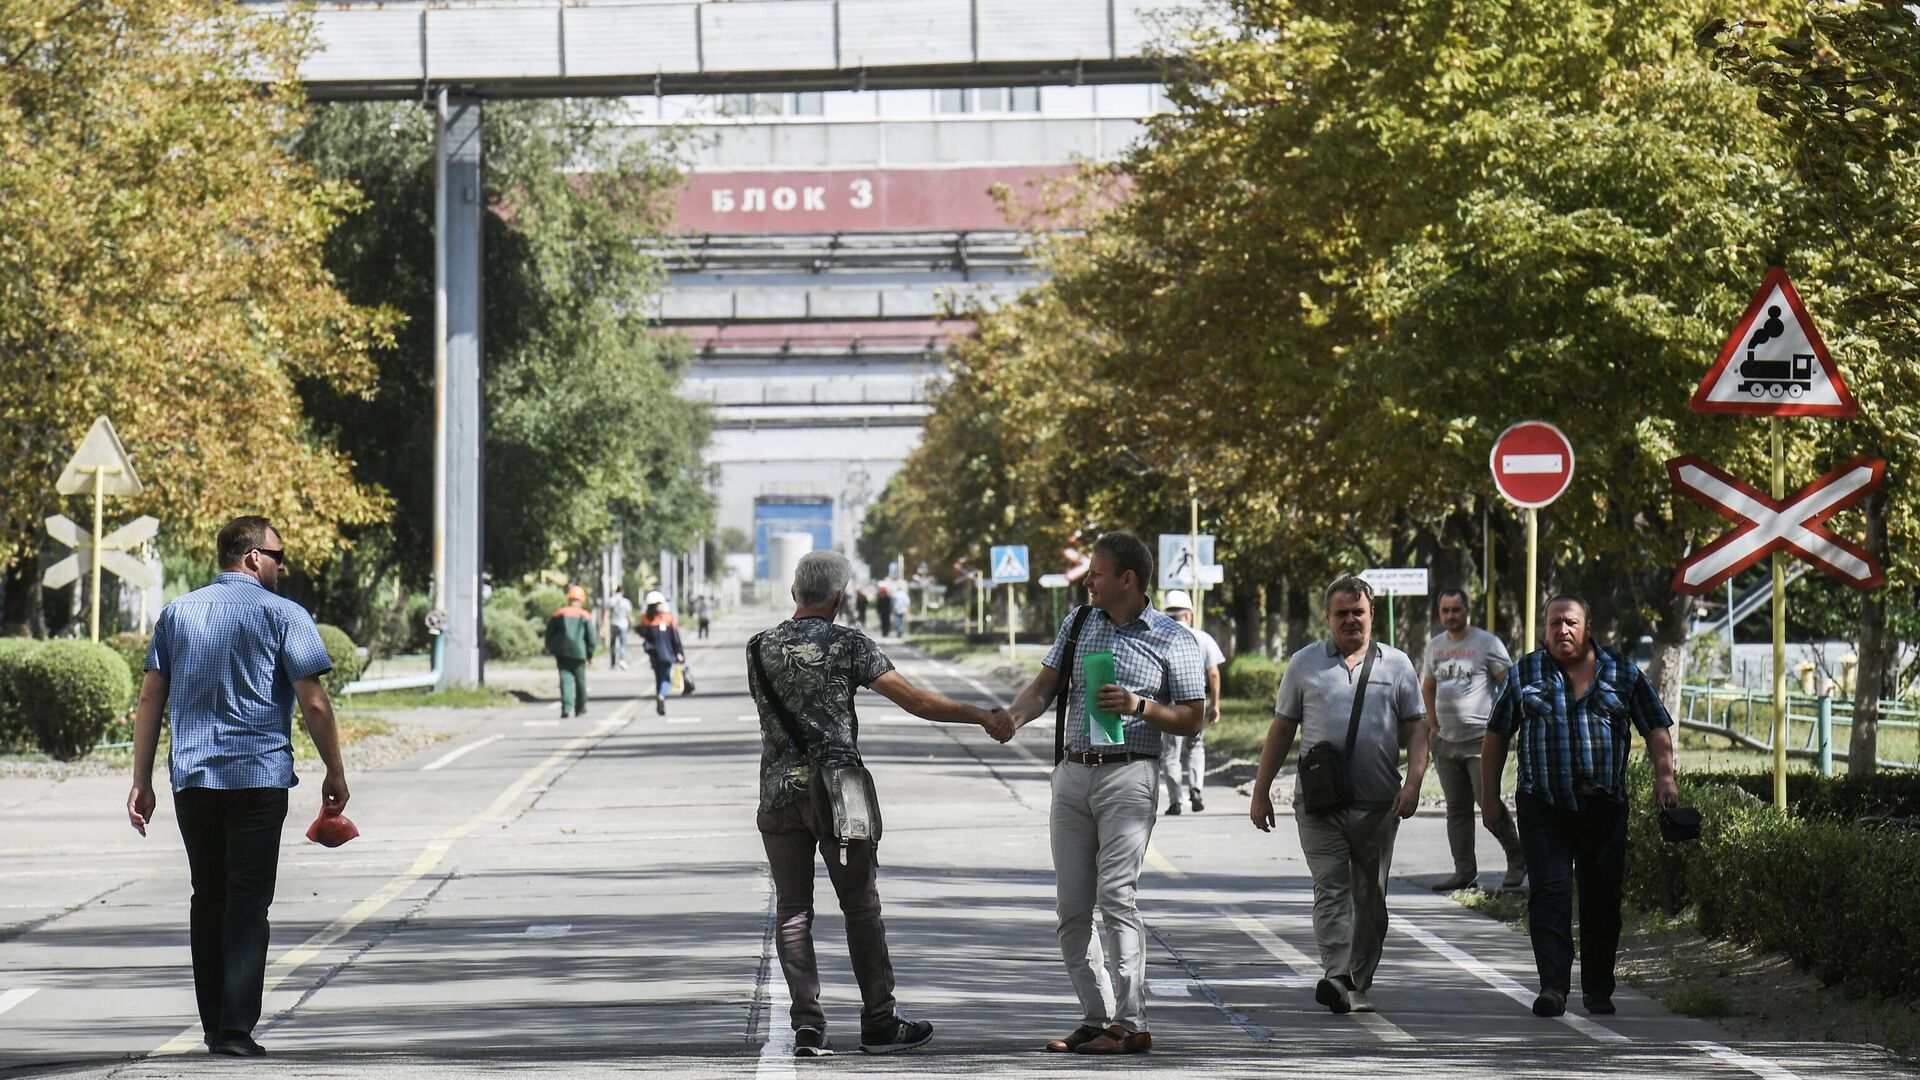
(1876, 652)
(1249, 609)
(24, 615)
(1669, 670)
(1299, 618)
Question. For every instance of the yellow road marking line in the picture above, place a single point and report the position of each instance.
(428, 860)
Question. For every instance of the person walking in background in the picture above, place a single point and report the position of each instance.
(1574, 706)
(803, 675)
(619, 621)
(1348, 690)
(703, 612)
(1104, 794)
(1183, 758)
(661, 634)
(570, 643)
(1465, 667)
(860, 608)
(229, 662)
(883, 609)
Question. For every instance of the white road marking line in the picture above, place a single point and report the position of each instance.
(1305, 972)
(1757, 1066)
(449, 758)
(748, 718)
(14, 997)
(539, 723)
(549, 930)
(683, 719)
(776, 1054)
(430, 857)
(1499, 980)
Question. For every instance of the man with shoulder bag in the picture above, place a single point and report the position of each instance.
(1120, 678)
(816, 793)
(1353, 703)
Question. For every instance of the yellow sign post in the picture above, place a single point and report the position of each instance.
(101, 466)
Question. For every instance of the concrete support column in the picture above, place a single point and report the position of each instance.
(458, 412)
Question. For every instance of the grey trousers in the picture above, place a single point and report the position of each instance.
(790, 835)
(1183, 764)
(1457, 762)
(1350, 853)
(1102, 817)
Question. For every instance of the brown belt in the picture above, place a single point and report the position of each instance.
(1088, 757)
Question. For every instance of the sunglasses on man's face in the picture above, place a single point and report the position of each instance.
(278, 555)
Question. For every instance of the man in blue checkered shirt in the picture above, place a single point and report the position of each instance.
(229, 662)
(1574, 706)
(1106, 795)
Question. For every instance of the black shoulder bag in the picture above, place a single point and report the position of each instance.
(1325, 779)
(843, 795)
(1066, 682)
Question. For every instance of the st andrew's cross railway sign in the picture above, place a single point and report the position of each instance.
(1774, 363)
(1532, 463)
(1768, 525)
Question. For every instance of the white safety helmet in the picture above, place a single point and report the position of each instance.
(655, 597)
(1176, 600)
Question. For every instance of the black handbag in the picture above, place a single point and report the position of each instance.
(1325, 776)
(1679, 824)
(843, 796)
(1066, 682)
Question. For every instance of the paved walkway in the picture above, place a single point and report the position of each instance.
(589, 897)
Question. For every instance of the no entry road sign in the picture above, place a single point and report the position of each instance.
(1532, 463)
(1768, 525)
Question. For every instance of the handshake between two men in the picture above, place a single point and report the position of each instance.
(996, 721)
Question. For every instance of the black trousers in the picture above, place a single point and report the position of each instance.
(233, 855)
(1564, 848)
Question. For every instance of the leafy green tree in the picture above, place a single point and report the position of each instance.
(161, 263)
(586, 438)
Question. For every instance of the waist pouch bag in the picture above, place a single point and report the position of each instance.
(1325, 783)
(843, 796)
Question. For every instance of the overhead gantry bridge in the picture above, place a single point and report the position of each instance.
(454, 56)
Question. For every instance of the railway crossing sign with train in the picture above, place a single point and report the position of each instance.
(1774, 363)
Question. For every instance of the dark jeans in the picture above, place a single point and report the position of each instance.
(1588, 848)
(233, 855)
(791, 837)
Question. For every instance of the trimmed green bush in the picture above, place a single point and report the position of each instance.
(133, 649)
(510, 635)
(1252, 676)
(69, 691)
(345, 656)
(14, 732)
(1835, 895)
(544, 600)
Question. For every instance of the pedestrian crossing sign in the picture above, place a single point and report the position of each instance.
(1009, 564)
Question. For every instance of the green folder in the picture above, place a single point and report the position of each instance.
(1103, 727)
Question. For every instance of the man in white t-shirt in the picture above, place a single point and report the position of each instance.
(619, 621)
(1465, 668)
(1183, 758)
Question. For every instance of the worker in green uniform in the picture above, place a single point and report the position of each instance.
(570, 640)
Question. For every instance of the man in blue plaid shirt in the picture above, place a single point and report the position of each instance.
(229, 661)
(1106, 796)
(1574, 706)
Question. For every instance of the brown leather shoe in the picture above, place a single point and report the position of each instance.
(1115, 1040)
(1083, 1034)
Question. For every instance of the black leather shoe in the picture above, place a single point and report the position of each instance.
(236, 1044)
(1598, 1004)
(1550, 1003)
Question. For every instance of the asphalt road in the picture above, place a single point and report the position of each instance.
(589, 897)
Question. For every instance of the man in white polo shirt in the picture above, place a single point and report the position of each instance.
(1349, 848)
(1183, 758)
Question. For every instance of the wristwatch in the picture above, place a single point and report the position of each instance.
(1140, 710)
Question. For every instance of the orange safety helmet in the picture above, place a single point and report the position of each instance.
(577, 594)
